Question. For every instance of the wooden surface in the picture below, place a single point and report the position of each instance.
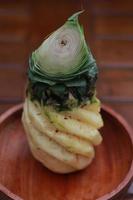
(108, 29)
(26, 178)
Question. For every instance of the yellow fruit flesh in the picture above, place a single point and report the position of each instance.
(66, 136)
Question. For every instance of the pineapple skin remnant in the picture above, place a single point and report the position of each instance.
(61, 113)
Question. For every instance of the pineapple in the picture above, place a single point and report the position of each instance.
(66, 139)
(61, 114)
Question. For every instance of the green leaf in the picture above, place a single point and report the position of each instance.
(58, 89)
(76, 83)
(64, 54)
(74, 17)
(63, 64)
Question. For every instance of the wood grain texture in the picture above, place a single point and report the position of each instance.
(114, 52)
(4, 107)
(108, 29)
(112, 7)
(9, 79)
(21, 174)
(125, 109)
(118, 86)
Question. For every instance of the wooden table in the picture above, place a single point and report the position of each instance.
(109, 32)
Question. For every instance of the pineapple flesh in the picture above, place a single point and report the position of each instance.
(66, 139)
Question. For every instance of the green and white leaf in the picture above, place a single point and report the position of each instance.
(64, 65)
(63, 55)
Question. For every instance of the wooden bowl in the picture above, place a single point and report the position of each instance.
(22, 177)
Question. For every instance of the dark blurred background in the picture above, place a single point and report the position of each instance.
(108, 28)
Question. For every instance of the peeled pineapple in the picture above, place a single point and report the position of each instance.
(62, 141)
(62, 75)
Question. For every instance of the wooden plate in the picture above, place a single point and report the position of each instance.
(22, 177)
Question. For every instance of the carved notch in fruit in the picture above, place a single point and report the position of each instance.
(61, 113)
